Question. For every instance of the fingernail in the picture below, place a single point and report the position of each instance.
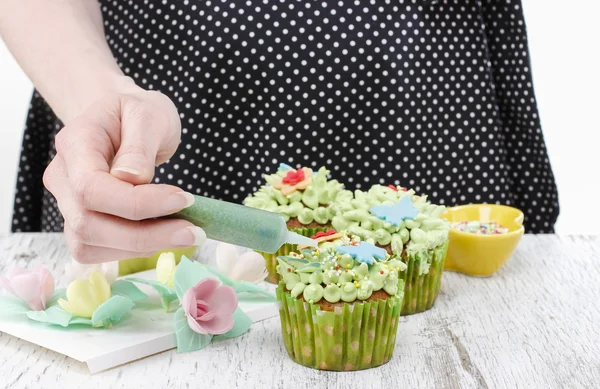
(189, 236)
(128, 170)
(178, 201)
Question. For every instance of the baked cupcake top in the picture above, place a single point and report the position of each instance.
(392, 217)
(342, 269)
(301, 194)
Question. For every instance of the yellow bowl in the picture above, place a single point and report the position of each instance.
(136, 265)
(482, 255)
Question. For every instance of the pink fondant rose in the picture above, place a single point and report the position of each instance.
(208, 307)
(34, 287)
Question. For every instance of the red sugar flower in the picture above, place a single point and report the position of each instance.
(294, 180)
(321, 234)
(294, 177)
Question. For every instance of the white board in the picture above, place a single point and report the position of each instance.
(147, 330)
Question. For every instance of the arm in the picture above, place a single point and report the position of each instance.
(60, 45)
(115, 134)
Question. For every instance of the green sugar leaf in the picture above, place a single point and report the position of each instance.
(241, 325)
(222, 277)
(11, 306)
(188, 274)
(309, 268)
(293, 261)
(58, 294)
(80, 320)
(54, 315)
(167, 295)
(127, 289)
(112, 311)
(187, 339)
(250, 288)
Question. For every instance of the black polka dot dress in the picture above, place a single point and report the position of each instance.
(432, 95)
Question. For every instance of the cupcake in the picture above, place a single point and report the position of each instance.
(408, 227)
(302, 197)
(340, 304)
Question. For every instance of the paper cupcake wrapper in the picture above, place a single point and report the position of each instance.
(286, 249)
(421, 291)
(354, 337)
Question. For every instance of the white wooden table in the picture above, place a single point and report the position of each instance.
(535, 324)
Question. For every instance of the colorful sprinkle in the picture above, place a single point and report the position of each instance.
(479, 228)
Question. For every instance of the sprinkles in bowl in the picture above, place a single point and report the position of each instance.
(479, 228)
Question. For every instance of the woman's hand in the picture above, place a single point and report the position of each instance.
(101, 177)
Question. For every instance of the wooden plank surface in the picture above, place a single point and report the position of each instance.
(535, 324)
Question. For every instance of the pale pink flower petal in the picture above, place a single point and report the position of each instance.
(208, 307)
(33, 287)
(189, 303)
(27, 288)
(46, 283)
(5, 283)
(223, 300)
(219, 325)
(17, 271)
(195, 326)
(204, 288)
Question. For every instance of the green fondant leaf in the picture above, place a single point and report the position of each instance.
(222, 277)
(80, 320)
(187, 339)
(167, 295)
(309, 268)
(187, 275)
(241, 324)
(53, 315)
(240, 286)
(58, 294)
(248, 287)
(111, 311)
(127, 289)
(293, 261)
(10, 306)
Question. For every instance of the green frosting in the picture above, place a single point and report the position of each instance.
(313, 293)
(349, 292)
(298, 288)
(306, 205)
(326, 273)
(422, 234)
(332, 293)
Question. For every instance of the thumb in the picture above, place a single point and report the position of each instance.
(135, 161)
(148, 138)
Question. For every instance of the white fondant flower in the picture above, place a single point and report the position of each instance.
(77, 271)
(250, 266)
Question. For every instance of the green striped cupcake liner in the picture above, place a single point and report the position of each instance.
(355, 336)
(286, 249)
(421, 290)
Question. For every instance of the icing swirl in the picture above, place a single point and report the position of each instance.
(425, 232)
(325, 273)
(307, 205)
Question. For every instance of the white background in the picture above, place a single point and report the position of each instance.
(565, 51)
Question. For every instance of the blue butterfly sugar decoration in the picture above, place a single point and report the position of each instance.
(395, 214)
(364, 252)
(283, 167)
